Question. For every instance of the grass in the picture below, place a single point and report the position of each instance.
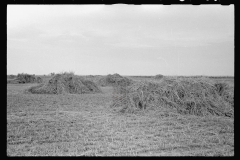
(76, 125)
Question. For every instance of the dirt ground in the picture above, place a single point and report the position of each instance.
(77, 125)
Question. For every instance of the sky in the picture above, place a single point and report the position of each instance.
(124, 39)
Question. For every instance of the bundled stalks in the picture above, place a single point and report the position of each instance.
(187, 96)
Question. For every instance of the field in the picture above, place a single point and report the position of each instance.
(87, 125)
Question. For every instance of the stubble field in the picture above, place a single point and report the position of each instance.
(85, 124)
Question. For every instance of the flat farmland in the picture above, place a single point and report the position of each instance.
(87, 125)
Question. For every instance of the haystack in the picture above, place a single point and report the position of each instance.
(114, 80)
(13, 81)
(26, 78)
(39, 80)
(11, 76)
(186, 96)
(63, 83)
(23, 78)
(93, 78)
(158, 76)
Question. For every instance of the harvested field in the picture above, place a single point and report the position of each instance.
(88, 125)
(64, 83)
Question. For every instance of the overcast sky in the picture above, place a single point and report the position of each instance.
(123, 39)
